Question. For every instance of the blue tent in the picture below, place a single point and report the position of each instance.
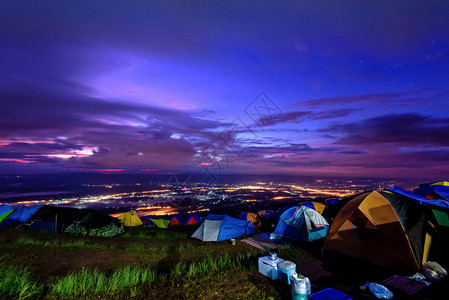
(301, 224)
(193, 219)
(175, 219)
(441, 204)
(222, 227)
(20, 215)
(331, 201)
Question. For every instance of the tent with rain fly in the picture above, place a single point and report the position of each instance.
(437, 233)
(434, 190)
(301, 224)
(60, 217)
(249, 216)
(20, 215)
(129, 219)
(383, 228)
(175, 219)
(222, 227)
(318, 207)
(193, 219)
(55, 218)
(5, 211)
(73, 220)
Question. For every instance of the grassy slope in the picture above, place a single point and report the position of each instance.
(156, 263)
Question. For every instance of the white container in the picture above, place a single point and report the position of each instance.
(300, 286)
(286, 269)
(269, 267)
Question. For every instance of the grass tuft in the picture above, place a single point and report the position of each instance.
(88, 283)
(210, 264)
(16, 282)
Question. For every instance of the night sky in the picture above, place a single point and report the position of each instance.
(321, 88)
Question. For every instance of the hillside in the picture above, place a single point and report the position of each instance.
(144, 263)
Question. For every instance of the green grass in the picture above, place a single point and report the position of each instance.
(156, 234)
(144, 248)
(17, 282)
(211, 264)
(292, 254)
(89, 283)
(145, 264)
(58, 243)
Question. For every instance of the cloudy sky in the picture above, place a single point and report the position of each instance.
(353, 88)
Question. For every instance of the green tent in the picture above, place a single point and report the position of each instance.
(161, 223)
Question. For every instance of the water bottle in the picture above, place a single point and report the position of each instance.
(300, 287)
(380, 291)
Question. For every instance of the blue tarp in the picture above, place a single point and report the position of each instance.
(5, 208)
(442, 204)
(442, 190)
(21, 214)
(42, 226)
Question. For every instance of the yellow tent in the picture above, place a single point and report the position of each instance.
(446, 183)
(130, 219)
(374, 227)
(249, 216)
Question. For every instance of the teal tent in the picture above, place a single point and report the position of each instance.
(301, 224)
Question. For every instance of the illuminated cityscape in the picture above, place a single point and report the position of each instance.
(172, 196)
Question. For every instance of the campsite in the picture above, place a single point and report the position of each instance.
(207, 150)
(376, 236)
